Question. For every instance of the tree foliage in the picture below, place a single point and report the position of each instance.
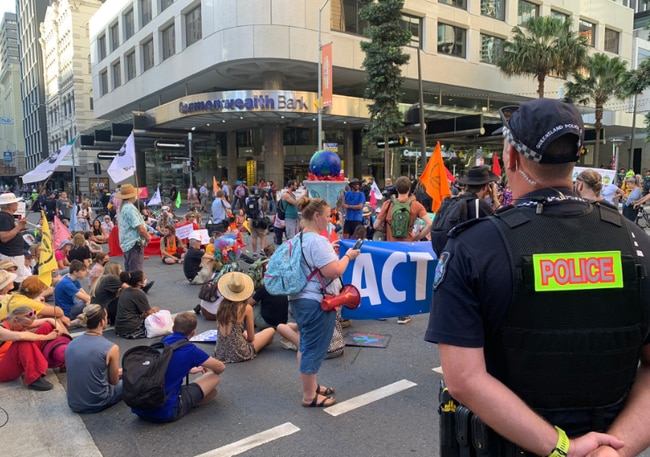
(599, 81)
(383, 61)
(543, 46)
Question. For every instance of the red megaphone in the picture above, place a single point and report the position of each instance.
(350, 297)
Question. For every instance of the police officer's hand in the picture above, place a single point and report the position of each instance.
(587, 444)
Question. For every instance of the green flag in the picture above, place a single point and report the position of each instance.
(178, 200)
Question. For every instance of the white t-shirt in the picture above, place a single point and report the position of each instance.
(608, 191)
(318, 252)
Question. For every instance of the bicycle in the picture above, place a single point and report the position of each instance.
(643, 217)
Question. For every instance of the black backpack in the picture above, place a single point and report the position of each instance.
(452, 212)
(253, 207)
(143, 374)
(281, 213)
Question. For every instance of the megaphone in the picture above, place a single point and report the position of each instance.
(350, 297)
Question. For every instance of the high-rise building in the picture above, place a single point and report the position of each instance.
(30, 14)
(66, 52)
(12, 142)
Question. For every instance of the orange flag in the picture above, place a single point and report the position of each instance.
(434, 178)
(215, 186)
(496, 166)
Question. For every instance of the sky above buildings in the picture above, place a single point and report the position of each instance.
(7, 6)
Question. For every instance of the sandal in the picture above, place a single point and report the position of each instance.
(324, 390)
(315, 404)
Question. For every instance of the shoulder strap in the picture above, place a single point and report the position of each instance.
(179, 343)
(476, 207)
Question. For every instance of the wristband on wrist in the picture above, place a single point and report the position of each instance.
(562, 446)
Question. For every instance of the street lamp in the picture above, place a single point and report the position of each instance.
(320, 79)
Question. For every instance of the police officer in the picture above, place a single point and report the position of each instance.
(541, 329)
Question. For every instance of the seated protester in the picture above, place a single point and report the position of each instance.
(106, 290)
(68, 293)
(101, 259)
(187, 359)
(133, 307)
(268, 310)
(98, 234)
(171, 247)
(6, 285)
(61, 256)
(92, 245)
(93, 365)
(80, 251)
(194, 259)
(29, 295)
(22, 339)
(236, 337)
(107, 225)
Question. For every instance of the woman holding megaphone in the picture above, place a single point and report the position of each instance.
(322, 267)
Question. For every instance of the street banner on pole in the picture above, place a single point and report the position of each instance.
(123, 165)
(45, 169)
(326, 51)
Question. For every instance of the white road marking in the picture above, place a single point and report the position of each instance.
(252, 441)
(367, 398)
(437, 369)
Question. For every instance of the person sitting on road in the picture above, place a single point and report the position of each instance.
(187, 359)
(194, 259)
(133, 307)
(30, 294)
(99, 234)
(93, 366)
(236, 337)
(80, 251)
(68, 293)
(106, 290)
(101, 259)
(171, 247)
(22, 339)
(61, 256)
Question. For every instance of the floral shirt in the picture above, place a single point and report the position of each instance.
(128, 221)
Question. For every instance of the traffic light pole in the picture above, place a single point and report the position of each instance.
(189, 141)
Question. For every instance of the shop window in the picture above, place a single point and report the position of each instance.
(451, 40)
(491, 48)
(612, 40)
(526, 10)
(493, 8)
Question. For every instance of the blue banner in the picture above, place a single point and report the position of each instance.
(394, 278)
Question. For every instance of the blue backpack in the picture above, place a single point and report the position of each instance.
(284, 274)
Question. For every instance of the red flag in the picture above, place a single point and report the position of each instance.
(61, 233)
(496, 166)
(450, 177)
(434, 178)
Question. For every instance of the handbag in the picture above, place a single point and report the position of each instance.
(209, 290)
(159, 324)
(337, 343)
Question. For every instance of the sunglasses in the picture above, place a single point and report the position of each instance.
(30, 314)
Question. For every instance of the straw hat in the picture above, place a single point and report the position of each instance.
(8, 199)
(6, 278)
(236, 286)
(127, 191)
(6, 264)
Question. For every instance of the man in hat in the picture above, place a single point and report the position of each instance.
(194, 259)
(353, 202)
(541, 310)
(132, 229)
(479, 185)
(12, 243)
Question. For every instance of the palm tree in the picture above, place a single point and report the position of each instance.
(601, 79)
(544, 46)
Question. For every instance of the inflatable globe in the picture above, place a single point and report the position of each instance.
(325, 163)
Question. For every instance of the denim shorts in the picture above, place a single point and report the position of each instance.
(316, 329)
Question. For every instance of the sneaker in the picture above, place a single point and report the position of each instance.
(345, 323)
(148, 287)
(197, 309)
(41, 384)
(286, 344)
(404, 319)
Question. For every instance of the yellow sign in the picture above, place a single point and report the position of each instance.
(578, 271)
(251, 171)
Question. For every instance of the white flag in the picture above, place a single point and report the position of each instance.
(123, 165)
(155, 200)
(45, 169)
(375, 190)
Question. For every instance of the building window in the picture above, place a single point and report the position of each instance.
(193, 26)
(493, 8)
(491, 49)
(115, 36)
(129, 25)
(101, 48)
(558, 15)
(414, 25)
(164, 4)
(587, 30)
(168, 42)
(345, 17)
(611, 40)
(145, 12)
(451, 40)
(457, 3)
(129, 62)
(116, 73)
(147, 54)
(526, 10)
(103, 83)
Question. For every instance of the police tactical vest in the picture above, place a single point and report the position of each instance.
(572, 335)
